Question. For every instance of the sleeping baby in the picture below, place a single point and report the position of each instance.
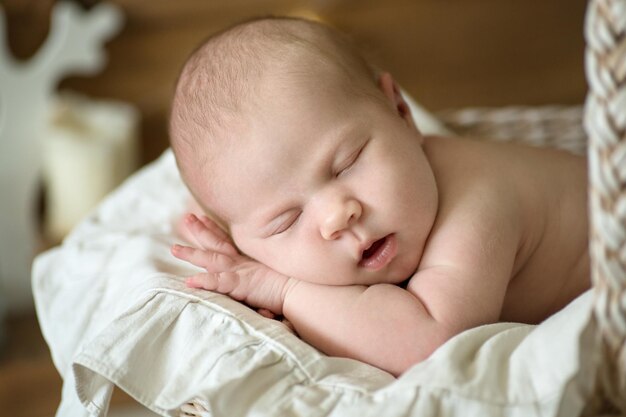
(330, 208)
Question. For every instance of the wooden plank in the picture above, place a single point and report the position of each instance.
(446, 53)
(30, 385)
(488, 52)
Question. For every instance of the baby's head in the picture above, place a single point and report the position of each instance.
(227, 80)
(285, 133)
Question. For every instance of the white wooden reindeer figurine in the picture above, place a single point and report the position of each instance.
(75, 45)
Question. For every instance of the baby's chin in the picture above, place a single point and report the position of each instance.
(397, 276)
(403, 272)
(396, 273)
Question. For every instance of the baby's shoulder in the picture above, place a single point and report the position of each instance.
(473, 178)
(502, 195)
(504, 178)
(479, 212)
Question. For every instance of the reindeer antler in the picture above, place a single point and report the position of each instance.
(74, 43)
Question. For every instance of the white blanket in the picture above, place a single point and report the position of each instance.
(114, 310)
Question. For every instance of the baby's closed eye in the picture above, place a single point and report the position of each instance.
(348, 162)
(288, 222)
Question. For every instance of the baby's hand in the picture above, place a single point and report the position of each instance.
(229, 272)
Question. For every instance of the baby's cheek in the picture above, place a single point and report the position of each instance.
(278, 258)
(248, 248)
(297, 263)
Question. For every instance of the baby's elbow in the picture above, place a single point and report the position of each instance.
(403, 362)
(413, 353)
(399, 368)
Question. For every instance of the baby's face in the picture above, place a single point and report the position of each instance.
(328, 188)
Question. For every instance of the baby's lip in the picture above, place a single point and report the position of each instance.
(365, 246)
(385, 250)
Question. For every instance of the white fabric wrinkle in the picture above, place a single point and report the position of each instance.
(114, 309)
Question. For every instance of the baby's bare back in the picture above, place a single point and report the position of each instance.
(538, 193)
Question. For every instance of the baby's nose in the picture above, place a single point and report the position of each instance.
(339, 217)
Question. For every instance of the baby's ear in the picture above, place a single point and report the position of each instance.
(391, 90)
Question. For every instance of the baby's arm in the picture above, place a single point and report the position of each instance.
(461, 283)
(382, 324)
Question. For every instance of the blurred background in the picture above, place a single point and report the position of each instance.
(448, 54)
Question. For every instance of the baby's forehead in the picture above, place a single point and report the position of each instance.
(246, 151)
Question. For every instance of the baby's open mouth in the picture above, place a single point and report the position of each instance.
(372, 249)
(380, 253)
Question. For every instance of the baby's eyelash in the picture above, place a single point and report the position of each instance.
(349, 161)
(287, 224)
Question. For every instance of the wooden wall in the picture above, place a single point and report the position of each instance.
(447, 53)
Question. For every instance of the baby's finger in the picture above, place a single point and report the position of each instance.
(225, 239)
(209, 260)
(266, 313)
(209, 235)
(214, 227)
(221, 282)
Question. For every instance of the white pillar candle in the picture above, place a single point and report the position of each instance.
(89, 148)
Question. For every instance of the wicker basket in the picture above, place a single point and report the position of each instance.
(549, 126)
(603, 121)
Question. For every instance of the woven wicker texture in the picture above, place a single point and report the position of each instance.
(551, 126)
(605, 122)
